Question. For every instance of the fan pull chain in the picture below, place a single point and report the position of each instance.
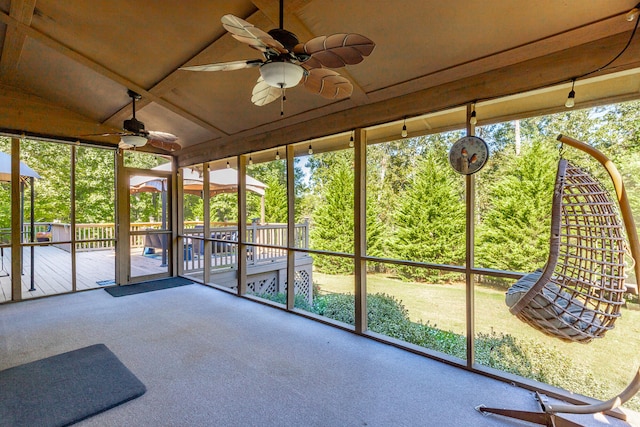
(282, 99)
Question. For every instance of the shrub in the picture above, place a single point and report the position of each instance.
(300, 301)
(388, 316)
(530, 360)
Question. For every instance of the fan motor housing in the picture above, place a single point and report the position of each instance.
(287, 38)
(133, 125)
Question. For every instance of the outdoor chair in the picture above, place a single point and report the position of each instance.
(222, 248)
(578, 294)
(44, 236)
(151, 243)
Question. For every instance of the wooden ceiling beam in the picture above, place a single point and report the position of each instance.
(40, 116)
(21, 11)
(555, 43)
(271, 10)
(101, 69)
(217, 48)
(524, 76)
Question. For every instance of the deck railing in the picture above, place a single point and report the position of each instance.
(224, 247)
(102, 236)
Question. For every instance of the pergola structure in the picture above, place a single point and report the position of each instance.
(65, 68)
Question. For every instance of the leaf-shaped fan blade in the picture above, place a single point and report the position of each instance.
(328, 84)
(163, 140)
(247, 33)
(225, 66)
(105, 134)
(263, 93)
(337, 50)
(311, 63)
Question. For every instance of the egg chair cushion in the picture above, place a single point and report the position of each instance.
(552, 309)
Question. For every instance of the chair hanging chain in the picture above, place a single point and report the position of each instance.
(561, 151)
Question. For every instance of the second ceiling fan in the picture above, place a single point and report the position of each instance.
(287, 62)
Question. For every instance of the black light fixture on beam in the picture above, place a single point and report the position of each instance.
(630, 16)
(571, 99)
(473, 120)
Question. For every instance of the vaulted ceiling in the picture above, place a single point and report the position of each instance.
(65, 66)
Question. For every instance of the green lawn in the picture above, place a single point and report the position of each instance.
(614, 358)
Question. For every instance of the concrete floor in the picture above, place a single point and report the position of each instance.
(209, 358)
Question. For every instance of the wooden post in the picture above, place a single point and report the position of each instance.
(32, 233)
(360, 230)
(206, 228)
(16, 223)
(73, 220)
(291, 229)
(181, 242)
(242, 225)
(123, 243)
(470, 200)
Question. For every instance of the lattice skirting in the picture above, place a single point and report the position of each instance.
(276, 282)
(263, 283)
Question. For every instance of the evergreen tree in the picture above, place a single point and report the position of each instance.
(430, 219)
(332, 222)
(274, 174)
(275, 200)
(514, 232)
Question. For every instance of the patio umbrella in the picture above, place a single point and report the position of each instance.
(220, 181)
(5, 169)
(25, 173)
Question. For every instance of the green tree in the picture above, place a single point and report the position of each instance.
(224, 207)
(53, 189)
(332, 222)
(275, 198)
(95, 190)
(193, 207)
(514, 232)
(430, 219)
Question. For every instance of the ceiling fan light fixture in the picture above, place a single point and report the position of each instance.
(134, 140)
(281, 74)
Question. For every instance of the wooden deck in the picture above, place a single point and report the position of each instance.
(53, 270)
(266, 269)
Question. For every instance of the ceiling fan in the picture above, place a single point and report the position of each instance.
(287, 62)
(135, 135)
